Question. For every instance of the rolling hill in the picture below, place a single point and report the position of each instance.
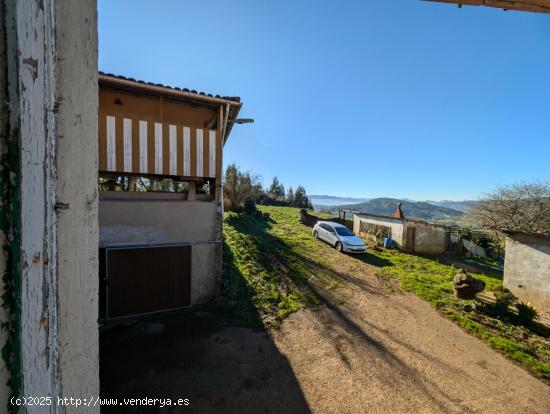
(412, 209)
(455, 205)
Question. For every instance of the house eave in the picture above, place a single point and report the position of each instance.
(536, 6)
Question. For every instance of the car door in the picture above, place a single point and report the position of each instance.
(321, 231)
(324, 232)
(331, 235)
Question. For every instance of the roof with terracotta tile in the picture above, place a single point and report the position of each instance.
(109, 76)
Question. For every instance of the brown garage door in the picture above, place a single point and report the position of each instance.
(147, 279)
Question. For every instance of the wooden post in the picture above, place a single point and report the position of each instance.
(192, 192)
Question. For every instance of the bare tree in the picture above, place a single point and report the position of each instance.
(237, 186)
(521, 206)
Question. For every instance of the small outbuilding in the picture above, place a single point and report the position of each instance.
(527, 267)
(414, 236)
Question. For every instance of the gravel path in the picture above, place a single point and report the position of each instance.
(364, 350)
(380, 354)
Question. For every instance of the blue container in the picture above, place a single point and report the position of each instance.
(387, 242)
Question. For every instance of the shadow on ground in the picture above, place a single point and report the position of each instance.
(343, 326)
(220, 357)
(371, 259)
(219, 369)
(223, 360)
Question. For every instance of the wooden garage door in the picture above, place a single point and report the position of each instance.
(147, 279)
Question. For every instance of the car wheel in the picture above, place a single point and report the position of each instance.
(315, 234)
(338, 246)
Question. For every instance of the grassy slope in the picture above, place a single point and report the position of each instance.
(273, 268)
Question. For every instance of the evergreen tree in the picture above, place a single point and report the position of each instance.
(300, 198)
(277, 190)
(290, 197)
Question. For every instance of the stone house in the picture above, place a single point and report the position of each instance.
(160, 200)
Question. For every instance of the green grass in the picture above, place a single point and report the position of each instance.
(427, 277)
(431, 280)
(273, 268)
(269, 264)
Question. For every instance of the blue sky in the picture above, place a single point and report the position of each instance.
(398, 98)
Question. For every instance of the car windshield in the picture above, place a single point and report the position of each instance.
(343, 231)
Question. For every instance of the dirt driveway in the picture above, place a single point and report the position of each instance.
(375, 352)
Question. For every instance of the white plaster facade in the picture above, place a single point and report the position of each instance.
(396, 225)
(153, 222)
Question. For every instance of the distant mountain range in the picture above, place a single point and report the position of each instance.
(327, 200)
(412, 209)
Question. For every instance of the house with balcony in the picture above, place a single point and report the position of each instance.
(160, 195)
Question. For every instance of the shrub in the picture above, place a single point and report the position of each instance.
(526, 313)
(249, 206)
(503, 299)
(238, 186)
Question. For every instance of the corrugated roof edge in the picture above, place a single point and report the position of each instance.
(509, 232)
(198, 94)
(408, 220)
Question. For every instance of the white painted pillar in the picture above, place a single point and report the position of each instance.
(77, 189)
(53, 98)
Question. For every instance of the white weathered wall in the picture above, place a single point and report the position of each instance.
(52, 72)
(126, 222)
(396, 226)
(473, 249)
(205, 272)
(32, 99)
(77, 237)
(429, 239)
(356, 224)
(527, 269)
(156, 221)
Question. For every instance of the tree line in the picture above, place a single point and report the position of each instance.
(242, 187)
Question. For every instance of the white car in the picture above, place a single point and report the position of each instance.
(338, 236)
